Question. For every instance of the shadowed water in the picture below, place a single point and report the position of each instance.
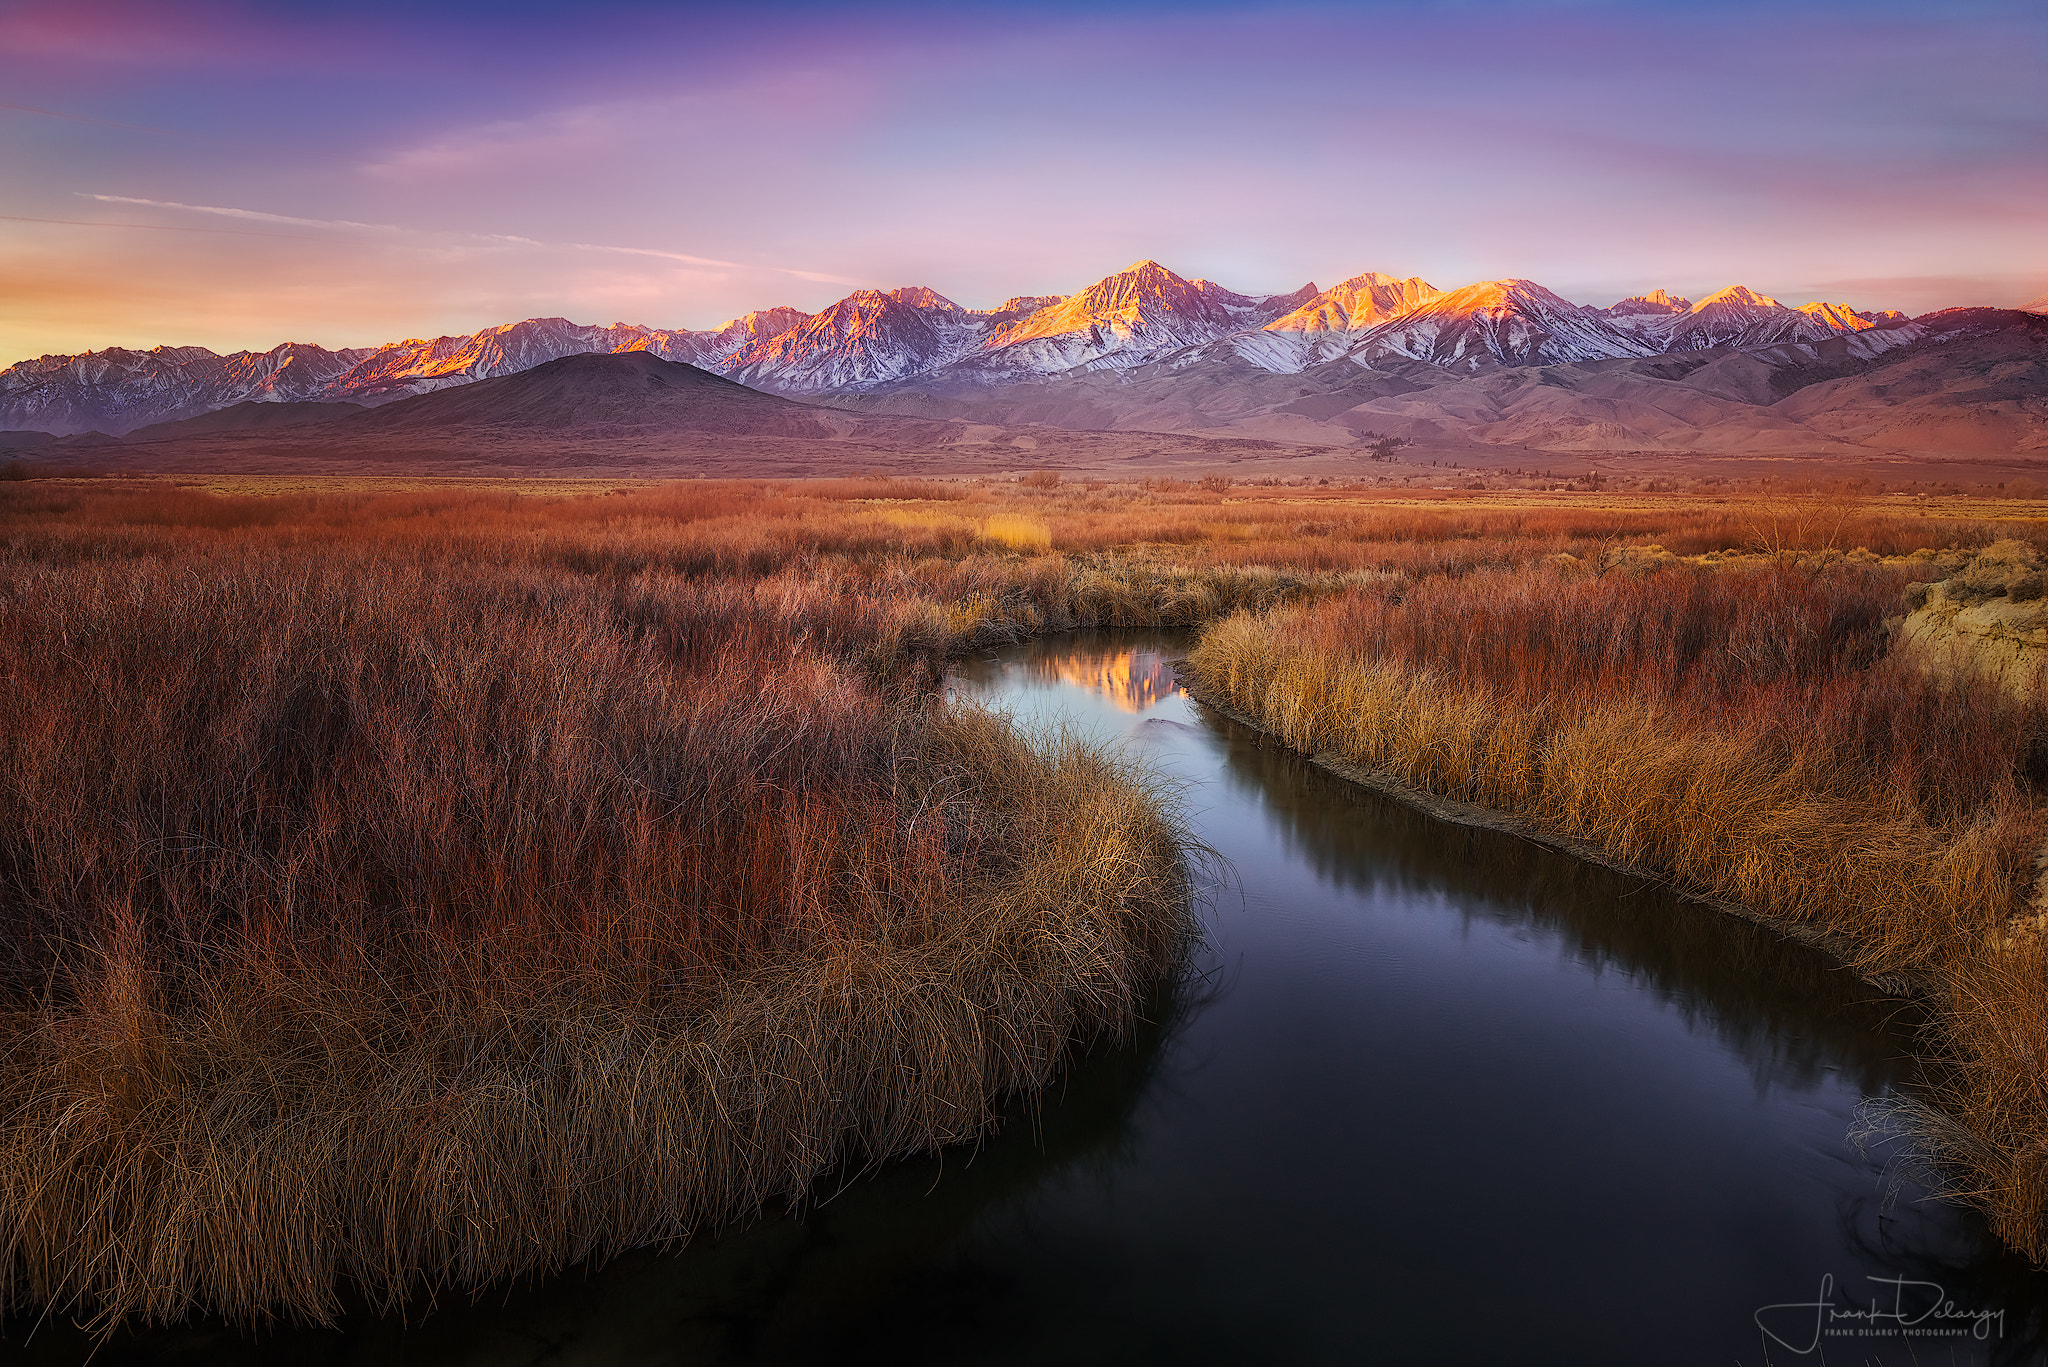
(1440, 1096)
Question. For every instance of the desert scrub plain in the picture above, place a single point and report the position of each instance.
(419, 887)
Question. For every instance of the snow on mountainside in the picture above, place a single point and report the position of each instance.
(1254, 309)
(873, 341)
(1326, 324)
(1018, 305)
(711, 347)
(1836, 317)
(1123, 320)
(918, 297)
(1653, 304)
(870, 339)
(1737, 317)
(1649, 316)
(865, 339)
(1740, 317)
(118, 389)
(1505, 322)
(421, 365)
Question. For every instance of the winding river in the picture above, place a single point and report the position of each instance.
(1438, 1096)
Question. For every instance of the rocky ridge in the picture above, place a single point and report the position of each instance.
(872, 341)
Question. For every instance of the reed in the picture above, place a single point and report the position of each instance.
(1744, 731)
(413, 888)
(383, 915)
(1018, 532)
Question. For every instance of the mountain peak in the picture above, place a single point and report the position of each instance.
(1139, 285)
(1836, 317)
(782, 318)
(1363, 301)
(1125, 319)
(1505, 293)
(1655, 302)
(919, 297)
(1506, 322)
(1738, 294)
(869, 338)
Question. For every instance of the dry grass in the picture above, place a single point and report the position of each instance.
(422, 885)
(387, 911)
(1742, 728)
(1018, 532)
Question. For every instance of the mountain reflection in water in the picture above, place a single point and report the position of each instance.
(1132, 680)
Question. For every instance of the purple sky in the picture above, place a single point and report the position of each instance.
(236, 175)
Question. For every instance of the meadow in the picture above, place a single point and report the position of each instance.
(420, 887)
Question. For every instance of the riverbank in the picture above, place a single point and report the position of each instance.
(1480, 817)
(1742, 734)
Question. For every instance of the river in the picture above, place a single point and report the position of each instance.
(1433, 1095)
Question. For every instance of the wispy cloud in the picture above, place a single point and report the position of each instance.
(510, 239)
(255, 214)
(703, 261)
(82, 118)
(154, 227)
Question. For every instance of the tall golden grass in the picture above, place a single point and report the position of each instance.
(386, 914)
(418, 888)
(1742, 730)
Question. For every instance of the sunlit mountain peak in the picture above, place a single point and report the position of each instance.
(919, 297)
(1837, 317)
(1737, 294)
(1655, 302)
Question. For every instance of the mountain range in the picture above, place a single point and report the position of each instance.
(1497, 363)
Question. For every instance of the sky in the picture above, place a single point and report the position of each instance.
(238, 175)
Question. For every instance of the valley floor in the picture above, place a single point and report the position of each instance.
(419, 883)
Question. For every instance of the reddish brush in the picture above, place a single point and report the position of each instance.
(401, 914)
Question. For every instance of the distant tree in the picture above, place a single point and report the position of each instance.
(1382, 447)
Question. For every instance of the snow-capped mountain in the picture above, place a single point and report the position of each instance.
(1326, 324)
(710, 347)
(1122, 321)
(1740, 317)
(118, 389)
(867, 338)
(1498, 322)
(1144, 318)
(871, 340)
(421, 365)
(1657, 303)
(1648, 316)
